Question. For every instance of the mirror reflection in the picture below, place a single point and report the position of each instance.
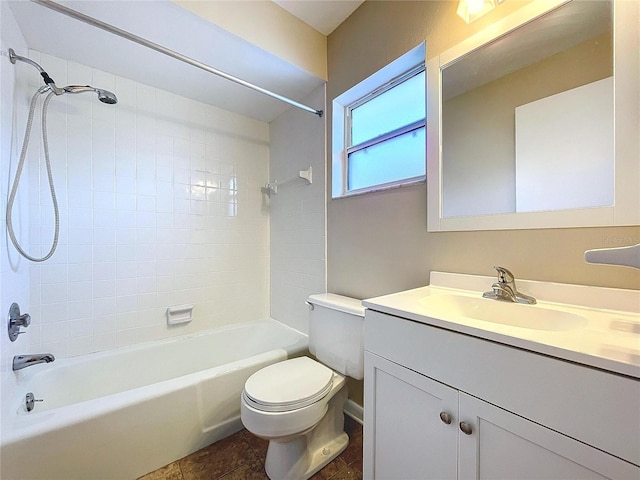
(528, 120)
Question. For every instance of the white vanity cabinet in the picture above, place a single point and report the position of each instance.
(443, 405)
(406, 437)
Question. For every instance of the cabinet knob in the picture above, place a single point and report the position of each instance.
(445, 417)
(466, 428)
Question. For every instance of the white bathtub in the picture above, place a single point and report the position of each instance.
(123, 413)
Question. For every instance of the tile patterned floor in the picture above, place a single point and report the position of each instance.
(241, 457)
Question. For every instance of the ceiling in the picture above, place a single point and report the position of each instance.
(165, 23)
(323, 15)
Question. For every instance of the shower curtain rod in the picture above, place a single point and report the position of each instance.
(171, 53)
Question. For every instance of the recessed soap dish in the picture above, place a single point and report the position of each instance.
(179, 314)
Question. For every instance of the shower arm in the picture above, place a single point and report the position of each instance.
(171, 53)
(13, 57)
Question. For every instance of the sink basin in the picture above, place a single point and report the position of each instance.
(534, 317)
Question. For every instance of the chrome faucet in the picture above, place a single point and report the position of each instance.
(24, 361)
(505, 289)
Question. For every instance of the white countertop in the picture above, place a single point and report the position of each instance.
(608, 340)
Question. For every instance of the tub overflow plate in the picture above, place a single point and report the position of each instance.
(30, 400)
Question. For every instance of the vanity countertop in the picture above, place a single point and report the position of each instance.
(607, 336)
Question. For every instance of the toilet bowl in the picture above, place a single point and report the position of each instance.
(305, 428)
(298, 404)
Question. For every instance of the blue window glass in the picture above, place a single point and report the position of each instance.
(401, 157)
(387, 134)
(394, 108)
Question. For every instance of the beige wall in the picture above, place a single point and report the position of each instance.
(378, 243)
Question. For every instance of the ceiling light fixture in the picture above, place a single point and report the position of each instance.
(471, 10)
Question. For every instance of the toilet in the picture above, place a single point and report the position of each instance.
(297, 404)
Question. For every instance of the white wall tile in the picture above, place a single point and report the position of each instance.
(80, 345)
(104, 306)
(104, 341)
(80, 328)
(125, 286)
(54, 293)
(104, 288)
(80, 272)
(104, 218)
(82, 310)
(145, 222)
(126, 303)
(52, 273)
(54, 312)
(54, 332)
(103, 324)
(297, 256)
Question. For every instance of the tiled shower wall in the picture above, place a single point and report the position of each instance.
(160, 205)
(298, 239)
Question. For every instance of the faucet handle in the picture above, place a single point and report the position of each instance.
(23, 320)
(504, 275)
(16, 320)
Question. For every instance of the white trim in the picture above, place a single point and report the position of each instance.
(627, 124)
(387, 136)
(383, 186)
(354, 410)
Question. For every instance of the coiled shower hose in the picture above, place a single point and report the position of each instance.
(16, 180)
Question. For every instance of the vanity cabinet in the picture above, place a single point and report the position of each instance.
(442, 405)
(402, 415)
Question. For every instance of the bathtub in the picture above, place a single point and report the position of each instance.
(123, 413)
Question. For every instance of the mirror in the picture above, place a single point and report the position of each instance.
(523, 127)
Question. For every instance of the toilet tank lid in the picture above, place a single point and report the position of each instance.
(338, 302)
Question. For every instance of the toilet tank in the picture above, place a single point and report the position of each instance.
(336, 333)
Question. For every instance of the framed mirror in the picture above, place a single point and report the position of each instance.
(534, 122)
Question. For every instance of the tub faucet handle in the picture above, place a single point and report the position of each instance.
(16, 321)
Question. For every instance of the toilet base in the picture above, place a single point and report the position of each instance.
(302, 456)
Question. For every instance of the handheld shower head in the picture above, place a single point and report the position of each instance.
(104, 96)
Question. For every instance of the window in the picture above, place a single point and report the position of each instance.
(387, 131)
(380, 141)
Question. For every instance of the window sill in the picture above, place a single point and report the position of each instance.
(378, 188)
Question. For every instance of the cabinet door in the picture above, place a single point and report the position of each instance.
(502, 445)
(404, 436)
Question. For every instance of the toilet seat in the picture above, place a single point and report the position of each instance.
(288, 385)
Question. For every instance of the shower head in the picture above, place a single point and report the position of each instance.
(104, 96)
(13, 57)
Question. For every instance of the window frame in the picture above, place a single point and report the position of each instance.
(404, 68)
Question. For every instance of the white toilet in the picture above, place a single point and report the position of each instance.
(298, 404)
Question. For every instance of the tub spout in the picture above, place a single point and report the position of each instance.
(24, 361)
